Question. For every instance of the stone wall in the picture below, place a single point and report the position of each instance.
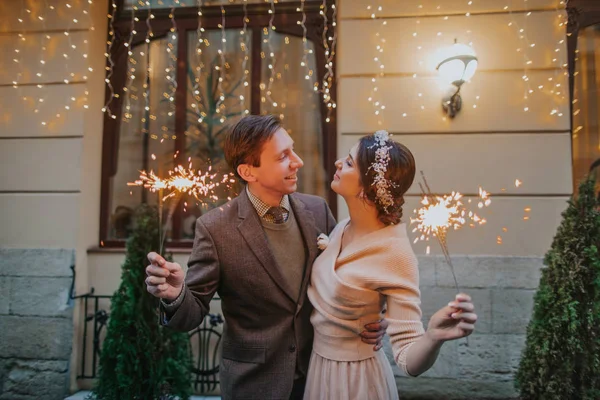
(502, 289)
(36, 323)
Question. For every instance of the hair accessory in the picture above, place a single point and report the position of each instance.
(382, 158)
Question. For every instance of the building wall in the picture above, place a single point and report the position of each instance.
(49, 185)
(492, 142)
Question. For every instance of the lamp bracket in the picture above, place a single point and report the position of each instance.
(452, 104)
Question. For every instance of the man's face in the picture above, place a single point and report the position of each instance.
(279, 164)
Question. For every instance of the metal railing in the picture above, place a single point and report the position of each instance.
(205, 341)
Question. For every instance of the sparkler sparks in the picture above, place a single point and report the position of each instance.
(439, 214)
(201, 185)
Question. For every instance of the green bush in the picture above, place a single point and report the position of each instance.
(561, 359)
(141, 359)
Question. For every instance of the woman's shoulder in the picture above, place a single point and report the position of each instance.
(394, 249)
(339, 228)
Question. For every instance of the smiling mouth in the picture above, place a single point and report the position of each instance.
(292, 177)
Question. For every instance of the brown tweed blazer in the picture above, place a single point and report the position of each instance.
(267, 334)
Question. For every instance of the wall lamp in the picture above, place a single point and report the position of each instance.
(458, 65)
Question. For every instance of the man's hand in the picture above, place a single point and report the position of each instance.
(454, 321)
(374, 333)
(164, 279)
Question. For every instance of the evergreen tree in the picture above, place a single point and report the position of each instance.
(141, 359)
(561, 359)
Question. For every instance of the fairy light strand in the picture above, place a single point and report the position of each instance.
(108, 55)
(88, 15)
(245, 72)
(305, 51)
(67, 33)
(66, 57)
(562, 63)
(554, 86)
(41, 97)
(326, 85)
(375, 98)
(171, 72)
(332, 104)
(273, 60)
(147, 115)
(110, 67)
(199, 64)
(220, 106)
(129, 68)
(18, 53)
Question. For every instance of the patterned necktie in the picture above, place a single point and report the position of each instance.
(277, 214)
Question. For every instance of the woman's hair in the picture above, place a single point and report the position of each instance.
(245, 141)
(399, 174)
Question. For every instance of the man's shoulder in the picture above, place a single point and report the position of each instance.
(220, 214)
(310, 200)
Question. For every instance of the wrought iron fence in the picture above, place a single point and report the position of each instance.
(205, 341)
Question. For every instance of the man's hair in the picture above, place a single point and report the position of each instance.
(245, 141)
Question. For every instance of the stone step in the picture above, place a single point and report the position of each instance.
(82, 395)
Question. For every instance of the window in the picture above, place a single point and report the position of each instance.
(176, 110)
(583, 36)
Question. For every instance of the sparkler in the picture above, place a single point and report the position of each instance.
(201, 185)
(439, 214)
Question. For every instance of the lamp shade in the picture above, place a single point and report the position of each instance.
(457, 63)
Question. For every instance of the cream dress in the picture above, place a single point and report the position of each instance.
(350, 289)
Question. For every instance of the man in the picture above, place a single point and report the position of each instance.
(257, 252)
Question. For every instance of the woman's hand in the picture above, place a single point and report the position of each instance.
(454, 321)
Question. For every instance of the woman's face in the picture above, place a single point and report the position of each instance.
(346, 181)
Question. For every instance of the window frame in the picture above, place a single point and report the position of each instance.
(581, 14)
(286, 17)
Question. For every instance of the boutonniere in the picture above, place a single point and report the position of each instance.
(322, 241)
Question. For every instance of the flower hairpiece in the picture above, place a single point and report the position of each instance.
(382, 158)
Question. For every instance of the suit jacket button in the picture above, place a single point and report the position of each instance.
(292, 348)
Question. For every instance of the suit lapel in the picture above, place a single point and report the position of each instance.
(253, 232)
(306, 222)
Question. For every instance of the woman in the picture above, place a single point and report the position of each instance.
(368, 267)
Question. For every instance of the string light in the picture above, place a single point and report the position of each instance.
(130, 67)
(273, 60)
(199, 63)
(415, 34)
(41, 96)
(146, 85)
(18, 56)
(87, 13)
(220, 106)
(329, 54)
(245, 72)
(522, 34)
(284, 83)
(67, 33)
(69, 75)
(171, 73)
(111, 63)
(304, 60)
(46, 42)
(375, 98)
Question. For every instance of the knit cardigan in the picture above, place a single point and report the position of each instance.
(350, 289)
